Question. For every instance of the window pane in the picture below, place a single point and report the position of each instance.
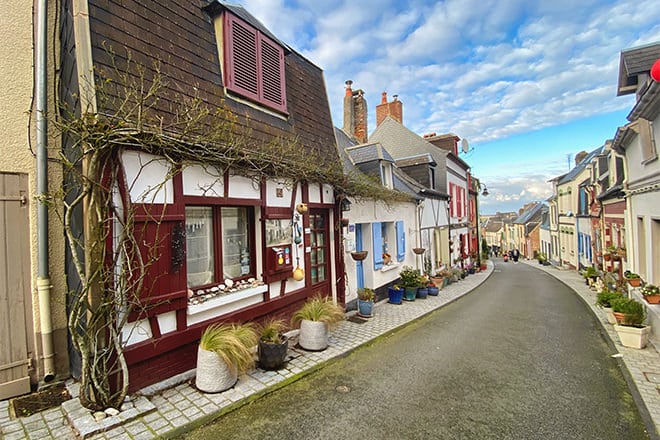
(235, 242)
(199, 245)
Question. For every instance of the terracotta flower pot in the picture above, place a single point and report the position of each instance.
(635, 282)
(652, 299)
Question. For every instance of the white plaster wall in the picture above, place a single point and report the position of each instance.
(366, 212)
(16, 61)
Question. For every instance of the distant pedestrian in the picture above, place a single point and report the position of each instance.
(515, 254)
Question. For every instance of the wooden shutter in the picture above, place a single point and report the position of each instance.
(241, 58)
(400, 241)
(377, 234)
(452, 200)
(254, 64)
(272, 74)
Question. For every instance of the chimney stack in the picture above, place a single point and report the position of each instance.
(355, 113)
(393, 109)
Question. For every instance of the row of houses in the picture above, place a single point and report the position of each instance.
(168, 166)
(605, 212)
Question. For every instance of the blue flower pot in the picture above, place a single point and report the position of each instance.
(365, 308)
(433, 291)
(410, 293)
(396, 295)
(422, 292)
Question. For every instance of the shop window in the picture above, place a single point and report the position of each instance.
(211, 259)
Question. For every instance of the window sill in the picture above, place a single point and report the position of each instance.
(389, 267)
(224, 300)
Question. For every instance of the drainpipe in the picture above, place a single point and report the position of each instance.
(43, 278)
(631, 256)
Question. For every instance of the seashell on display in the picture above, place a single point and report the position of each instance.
(251, 280)
(214, 289)
(229, 283)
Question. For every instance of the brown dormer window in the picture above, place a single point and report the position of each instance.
(253, 64)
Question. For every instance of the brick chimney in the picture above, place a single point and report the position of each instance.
(393, 109)
(355, 113)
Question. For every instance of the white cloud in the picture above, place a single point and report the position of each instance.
(483, 69)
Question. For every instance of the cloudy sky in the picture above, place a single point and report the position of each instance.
(528, 83)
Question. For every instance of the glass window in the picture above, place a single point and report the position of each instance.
(209, 260)
(235, 242)
(319, 247)
(199, 245)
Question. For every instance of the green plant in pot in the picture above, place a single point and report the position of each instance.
(224, 352)
(651, 293)
(395, 294)
(365, 301)
(410, 280)
(631, 329)
(314, 318)
(273, 345)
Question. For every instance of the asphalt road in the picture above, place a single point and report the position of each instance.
(521, 357)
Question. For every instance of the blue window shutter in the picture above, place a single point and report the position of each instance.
(378, 245)
(400, 241)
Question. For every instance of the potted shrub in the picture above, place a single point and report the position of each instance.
(446, 275)
(589, 275)
(423, 289)
(365, 301)
(438, 279)
(314, 318)
(395, 294)
(651, 293)
(224, 352)
(273, 345)
(604, 299)
(633, 279)
(410, 280)
(631, 329)
(541, 257)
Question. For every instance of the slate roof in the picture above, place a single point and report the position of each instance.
(577, 169)
(403, 143)
(533, 214)
(633, 62)
(368, 152)
(400, 180)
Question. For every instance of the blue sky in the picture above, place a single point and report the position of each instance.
(526, 82)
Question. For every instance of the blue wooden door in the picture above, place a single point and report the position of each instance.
(359, 268)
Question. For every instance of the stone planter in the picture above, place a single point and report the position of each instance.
(313, 335)
(213, 374)
(634, 337)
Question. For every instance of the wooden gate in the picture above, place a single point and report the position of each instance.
(16, 340)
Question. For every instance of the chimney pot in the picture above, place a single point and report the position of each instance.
(383, 99)
(349, 92)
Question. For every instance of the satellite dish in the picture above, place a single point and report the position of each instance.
(464, 145)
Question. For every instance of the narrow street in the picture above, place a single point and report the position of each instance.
(521, 357)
